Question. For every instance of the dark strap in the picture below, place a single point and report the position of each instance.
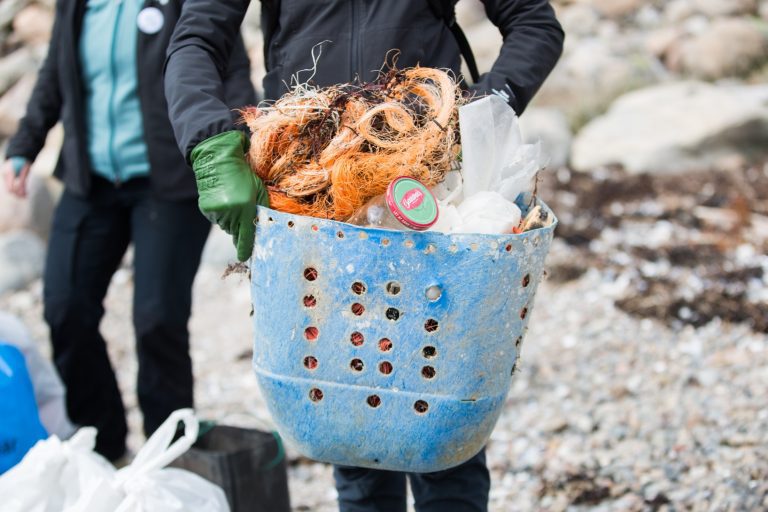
(446, 10)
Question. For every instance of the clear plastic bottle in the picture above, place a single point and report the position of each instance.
(406, 205)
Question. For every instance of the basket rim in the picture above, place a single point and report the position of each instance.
(521, 202)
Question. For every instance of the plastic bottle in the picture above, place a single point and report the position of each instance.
(406, 205)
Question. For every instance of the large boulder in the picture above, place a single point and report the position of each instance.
(22, 257)
(15, 65)
(681, 126)
(717, 8)
(728, 47)
(13, 104)
(592, 73)
(33, 213)
(32, 25)
(615, 8)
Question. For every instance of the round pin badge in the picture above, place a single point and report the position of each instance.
(150, 20)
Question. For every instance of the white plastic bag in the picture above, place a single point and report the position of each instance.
(487, 213)
(59, 476)
(496, 168)
(150, 488)
(69, 476)
(493, 156)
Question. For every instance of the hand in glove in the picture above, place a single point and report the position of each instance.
(228, 190)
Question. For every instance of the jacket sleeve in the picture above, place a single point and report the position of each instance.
(44, 106)
(239, 91)
(196, 67)
(533, 43)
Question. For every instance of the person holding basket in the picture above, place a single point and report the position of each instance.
(356, 36)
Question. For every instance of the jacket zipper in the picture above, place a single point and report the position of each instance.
(113, 86)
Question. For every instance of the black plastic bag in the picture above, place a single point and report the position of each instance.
(249, 465)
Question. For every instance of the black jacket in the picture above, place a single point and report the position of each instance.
(59, 95)
(360, 33)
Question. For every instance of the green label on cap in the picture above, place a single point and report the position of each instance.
(412, 203)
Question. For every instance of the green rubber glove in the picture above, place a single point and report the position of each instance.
(228, 190)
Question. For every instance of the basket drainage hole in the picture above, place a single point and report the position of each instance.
(421, 406)
(356, 365)
(315, 394)
(310, 273)
(358, 309)
(523, 313)
(393, 287)
(393, 314)
(374, 401)
(428, 372)
(358, 288)
(385, 367)
(290, 224)
(310, 301)
(340, 234)
(431, 325)
(429, 351)
(311, 333)
(434, 292)
(310, 362)
(385, 344)
(357, 338)
(526, 280)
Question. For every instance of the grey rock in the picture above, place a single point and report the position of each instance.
(15, 65)
(719, 8)
(678, 10)
(727, 47)
(579, 19)
(550, 126)
(593, 73)
(33, 213)
(9, 9)
(14, 103)
(22, 256)
(32, 25)
(677, 127)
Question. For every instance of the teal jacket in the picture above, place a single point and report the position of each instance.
(113, 117)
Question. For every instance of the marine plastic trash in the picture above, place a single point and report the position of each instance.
(20, 426)
(70, 476)
(62, 476)
(406, 205)
(496, 167)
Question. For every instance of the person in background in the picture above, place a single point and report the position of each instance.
(125, 182)
(358, 35)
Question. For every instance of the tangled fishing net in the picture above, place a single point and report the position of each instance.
(324, 152)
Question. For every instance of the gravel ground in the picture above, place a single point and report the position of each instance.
(608, 411)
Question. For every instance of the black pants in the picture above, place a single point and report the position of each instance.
(464, 488)
(88, 241)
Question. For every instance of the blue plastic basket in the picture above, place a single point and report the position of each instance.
(388, 349)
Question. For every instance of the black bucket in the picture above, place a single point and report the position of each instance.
(249, 465)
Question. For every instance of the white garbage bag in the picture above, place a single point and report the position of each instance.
(58, 476)
(148, 487)
(69, 476)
